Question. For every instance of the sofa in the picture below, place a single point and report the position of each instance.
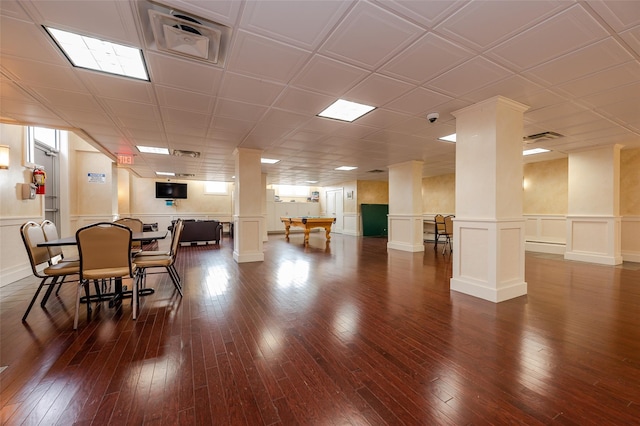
(196, 231)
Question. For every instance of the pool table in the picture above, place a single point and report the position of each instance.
(308, 222)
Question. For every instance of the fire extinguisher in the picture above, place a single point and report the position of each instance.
(39, 178)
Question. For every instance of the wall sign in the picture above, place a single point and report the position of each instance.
(97, 177)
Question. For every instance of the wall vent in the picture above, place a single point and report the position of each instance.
(542, 136)
(185, 153)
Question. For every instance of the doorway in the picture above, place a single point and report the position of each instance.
(335, 208)
(44, 156)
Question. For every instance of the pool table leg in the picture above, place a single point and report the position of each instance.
(286, 230)
(327, 230)
(306, 236)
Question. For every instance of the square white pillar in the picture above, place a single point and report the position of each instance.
(489, 229)
(405, 230)
(248, 219)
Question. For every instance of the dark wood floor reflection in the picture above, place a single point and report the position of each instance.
(339, 333)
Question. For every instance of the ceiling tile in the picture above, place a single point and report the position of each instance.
(28, 41)
(620, 15)
(427, 58)
(263, 58)
(476, 73)
(557, 36)
(327, 76)
(182, 99)
(377, 90)
(247, 89)
(386, 35)
(484, 24)
(303, 24)
(294, 99)
(183, 74)
(419, 100)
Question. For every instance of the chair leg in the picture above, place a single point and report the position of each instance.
(173, 274)
(75, 319)
(47, 293)
(134, 296)
(35, 296)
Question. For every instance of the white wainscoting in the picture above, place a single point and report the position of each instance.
(14, 260)
(545, 233)
(352, 224)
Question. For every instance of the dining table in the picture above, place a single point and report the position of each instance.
(120, 292)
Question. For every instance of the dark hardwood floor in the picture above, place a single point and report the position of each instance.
(332, 334)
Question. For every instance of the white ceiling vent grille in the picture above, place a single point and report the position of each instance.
(180, 33)
(185, 153)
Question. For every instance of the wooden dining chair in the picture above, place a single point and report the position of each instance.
(53, 272)
(105, 253)
(157, 259)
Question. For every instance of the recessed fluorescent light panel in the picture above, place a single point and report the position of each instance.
(450, 138)
(268, 161)
(346, 168)
(346, 110)
(311, 181)
(100, 55)
(534, 151)
(165, 174)
(152, 150)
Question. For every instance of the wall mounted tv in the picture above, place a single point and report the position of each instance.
(171, 190)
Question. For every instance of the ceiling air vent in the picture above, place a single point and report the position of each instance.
(185, 175)
(376, 171)
(184, 153)
(542, 136)
(183, 33)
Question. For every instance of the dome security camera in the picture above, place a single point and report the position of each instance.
(433, 117)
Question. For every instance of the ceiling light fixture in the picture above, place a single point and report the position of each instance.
(165, 174)
(311, 181)
(152, 150)
(534, 151)
(345, 110)
(268, 161)
(345, 168)
(448, 138)
(99, 55)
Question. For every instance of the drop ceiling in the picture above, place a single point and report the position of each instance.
(575, 64)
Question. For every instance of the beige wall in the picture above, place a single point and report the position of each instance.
(372, 192)
(144, 202)
(438, 194)
(546, 187)
(11, 203)
(630, 182)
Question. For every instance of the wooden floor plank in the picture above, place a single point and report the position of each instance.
(340, 333)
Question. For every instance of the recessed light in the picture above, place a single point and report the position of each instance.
(534, 151)
(268, 161)
(99, 55)
(152, 150)
(311, 181)
(449, 138)
(346, 110)
(345, 168)
(165, 174)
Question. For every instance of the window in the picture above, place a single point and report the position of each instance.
(49, 138)
(293, 191)
(216, 188)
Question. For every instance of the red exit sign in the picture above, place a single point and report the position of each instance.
(125, 159)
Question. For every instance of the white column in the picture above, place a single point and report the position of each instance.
(405, 207)
(593, 220)
(488, 248)
(248, 218)
(263, 206)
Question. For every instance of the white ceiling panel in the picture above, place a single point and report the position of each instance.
(475, 73)
(182, 74)
(327, 76)
(621, 15)
(185, 100)
(557, 36)
(28, 41)
(377, 90)
(386, 34)
(264, 58)
(303, 24)
(425, 59)
(419, 100)
(249, 89)
(484, 24)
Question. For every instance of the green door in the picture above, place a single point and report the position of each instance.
(374, 219)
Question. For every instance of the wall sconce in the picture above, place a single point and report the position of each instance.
(4, 157)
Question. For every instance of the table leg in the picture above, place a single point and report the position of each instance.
(286, 230)
(306, 236)
(327, 230)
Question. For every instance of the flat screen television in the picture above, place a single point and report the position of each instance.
(171, 190)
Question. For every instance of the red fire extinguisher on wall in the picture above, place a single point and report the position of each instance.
(39, 178)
